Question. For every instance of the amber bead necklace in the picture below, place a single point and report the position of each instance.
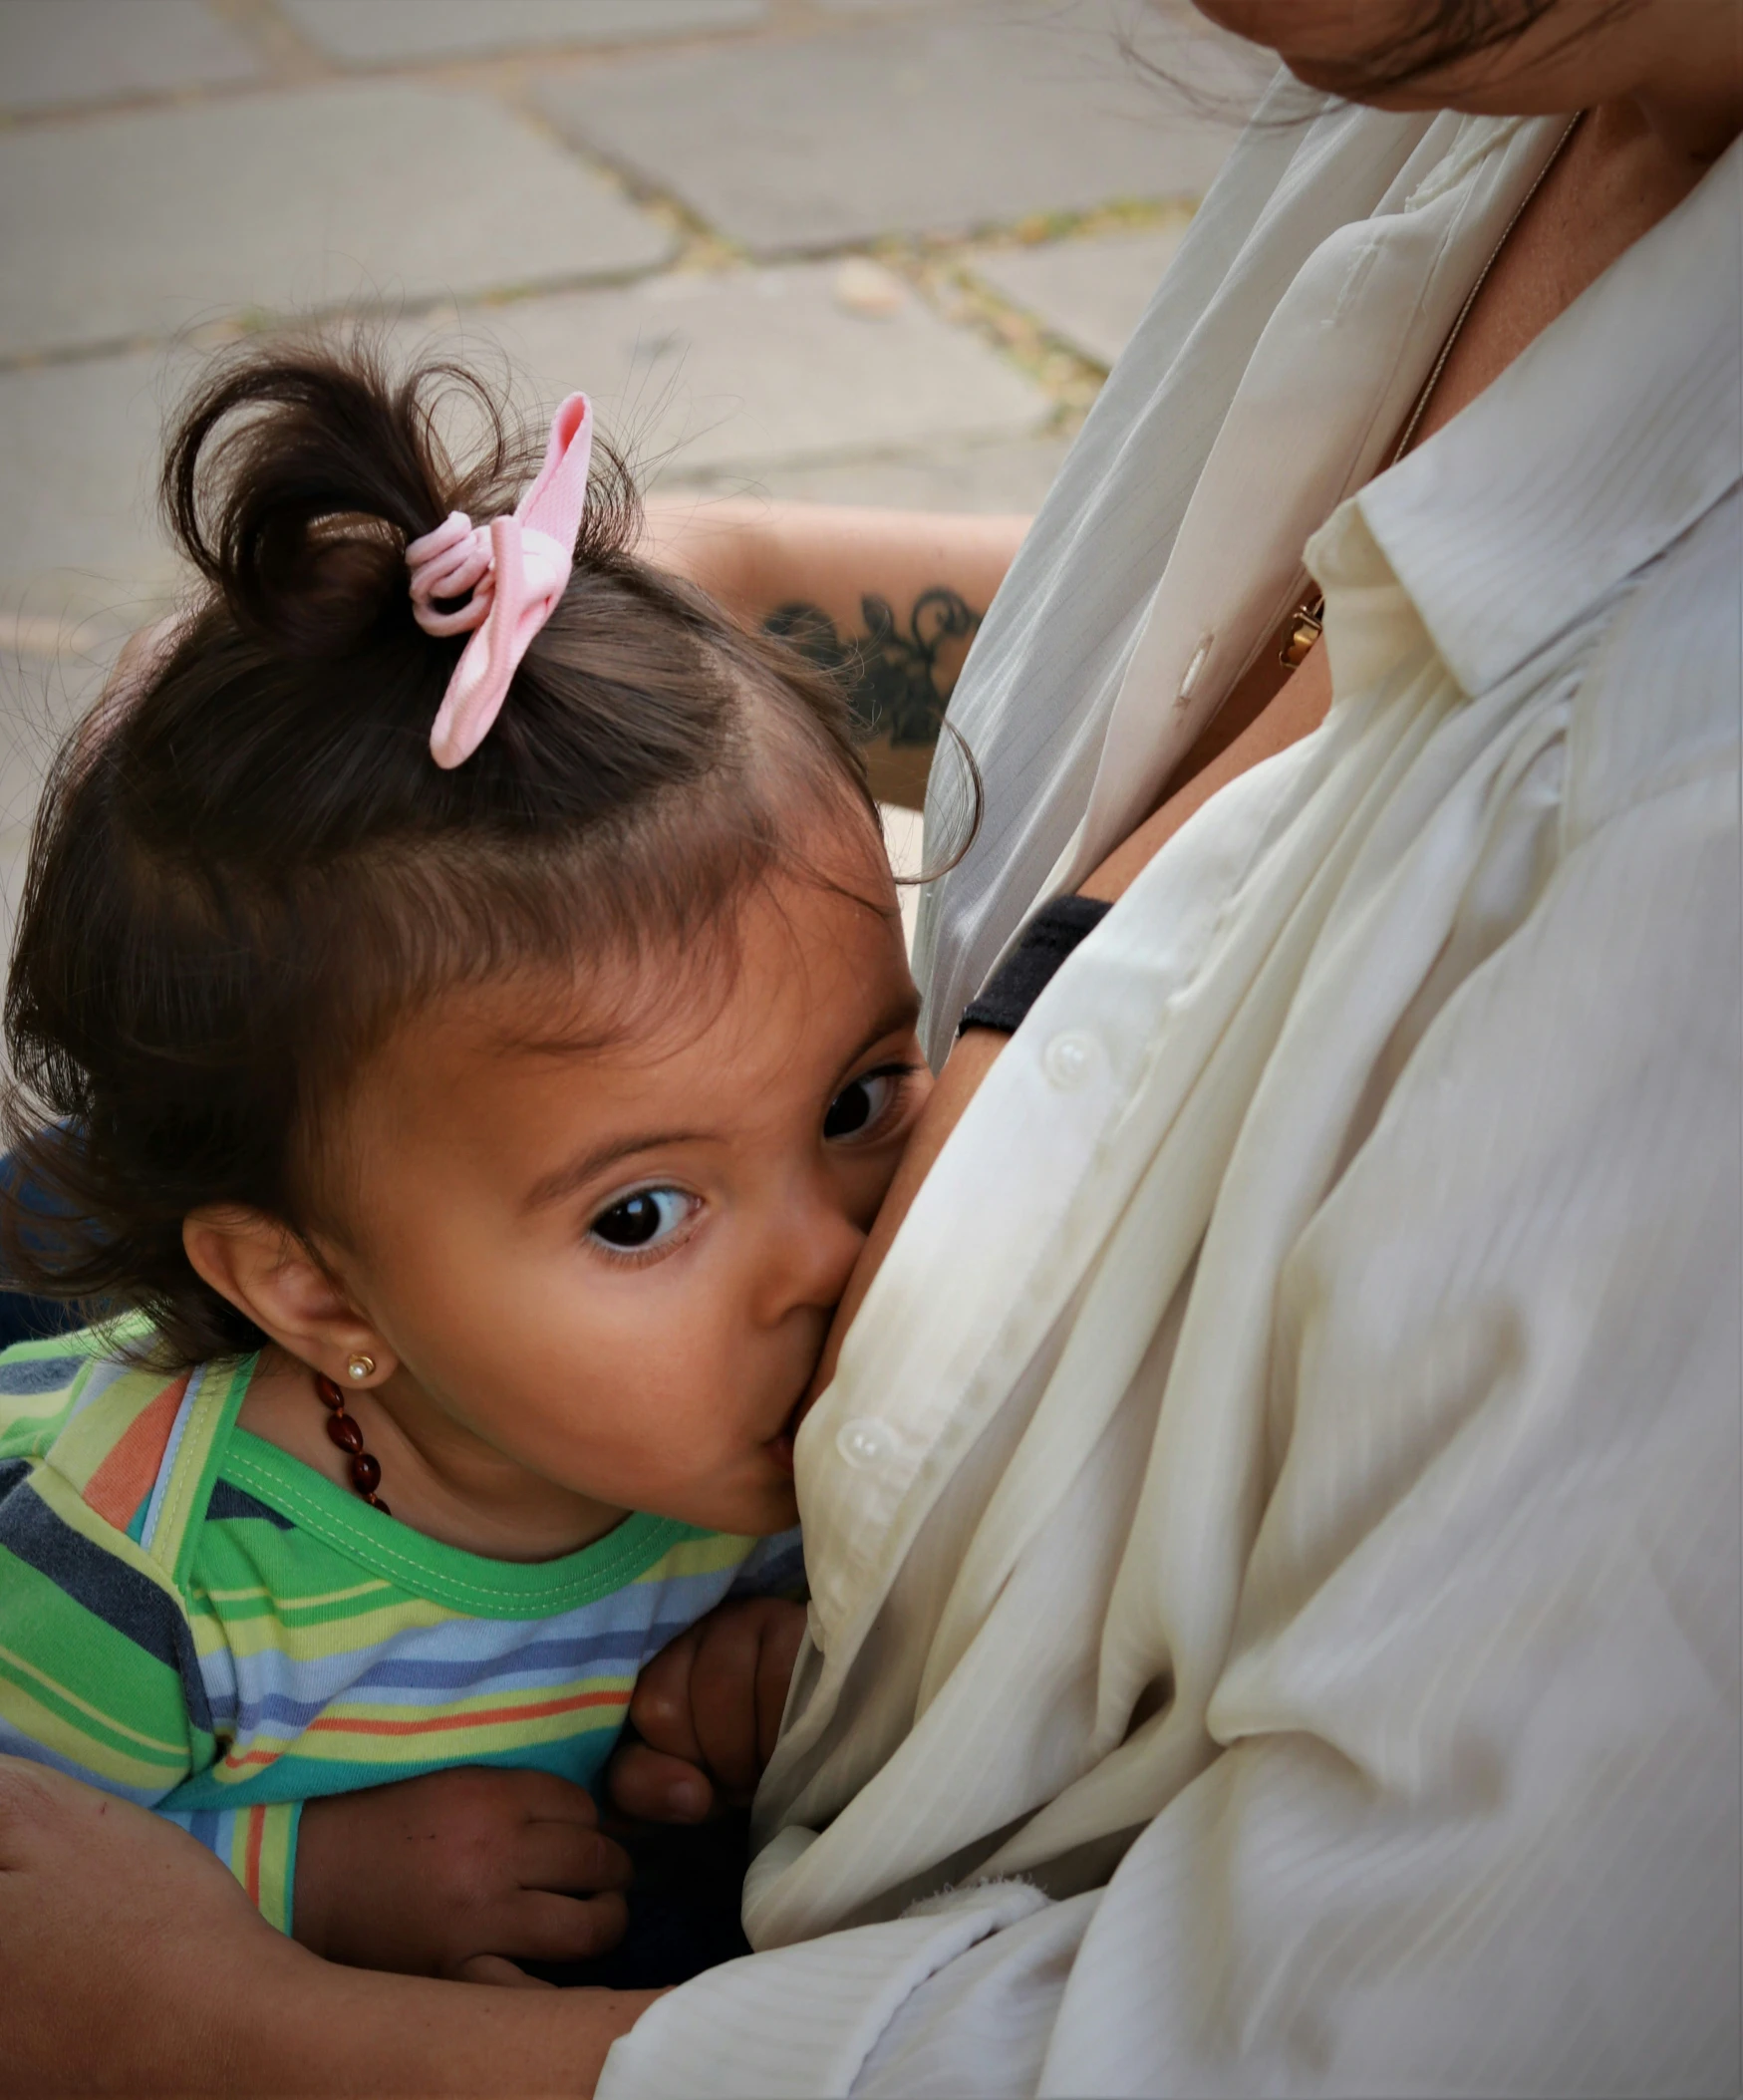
(347, 1433)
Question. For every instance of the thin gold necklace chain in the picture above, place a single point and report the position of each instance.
(1446, 349)
(1306, 620)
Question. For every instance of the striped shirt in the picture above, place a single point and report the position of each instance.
(194, 1620)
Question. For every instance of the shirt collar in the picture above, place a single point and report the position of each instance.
(1604, 442)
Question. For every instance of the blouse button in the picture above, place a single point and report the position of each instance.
(863, 1443)
(1069, 1059)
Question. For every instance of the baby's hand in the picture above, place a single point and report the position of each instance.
(707, 1709)
(458, 1873)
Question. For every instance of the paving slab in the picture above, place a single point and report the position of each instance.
(71, 51)
(408, 32)
(904, 841)
(748, 379)
(1001, 479)
(79, 450)
(945, 120)
(1091, 293)
(129, 227)
(698, 373)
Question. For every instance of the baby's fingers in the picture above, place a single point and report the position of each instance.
(660, 1704)
(655, 1787)
(536, 1926)
(723, 1697)
(550, 1927)
(493, 1968)
(569, 1859)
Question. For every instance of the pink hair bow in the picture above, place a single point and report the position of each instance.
(516, 570)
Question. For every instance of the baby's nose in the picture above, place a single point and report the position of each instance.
(820, 1244)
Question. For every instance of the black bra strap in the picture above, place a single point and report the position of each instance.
(1026, 970)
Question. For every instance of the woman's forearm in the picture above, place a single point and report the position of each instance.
(325, 2030)
(131, 1962)
(764, 558)
(887, 601)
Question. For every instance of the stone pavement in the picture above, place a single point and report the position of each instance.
(854, 250)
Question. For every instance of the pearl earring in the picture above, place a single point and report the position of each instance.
(361, 1365)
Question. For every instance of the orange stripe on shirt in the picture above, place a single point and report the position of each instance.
(127, 1475)
(251, 1862)
(336, 1723)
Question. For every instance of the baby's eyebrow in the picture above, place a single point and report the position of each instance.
(565, 1181)
(900, 1017)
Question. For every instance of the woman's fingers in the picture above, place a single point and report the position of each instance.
(655, 1787)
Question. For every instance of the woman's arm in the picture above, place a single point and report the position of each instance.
(131, 1962)
(888, 600)
(757, 557)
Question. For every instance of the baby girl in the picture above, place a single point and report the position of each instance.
(461, 1034)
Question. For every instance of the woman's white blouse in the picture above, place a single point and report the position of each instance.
(1275, 1531)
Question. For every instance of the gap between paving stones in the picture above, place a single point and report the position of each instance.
(938, 271)
(50, 661)
(938, 268)
(287, 57)
(951, 119)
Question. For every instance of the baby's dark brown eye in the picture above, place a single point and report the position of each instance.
(642, 1219)
(859, 1104)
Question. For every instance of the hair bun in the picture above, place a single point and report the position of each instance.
(294, 478)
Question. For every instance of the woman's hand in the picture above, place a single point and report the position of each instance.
(706, 1710)
(461, 1874)
(131, 1962)
(119, 1941)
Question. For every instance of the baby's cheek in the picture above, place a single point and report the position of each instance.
(648, 1456)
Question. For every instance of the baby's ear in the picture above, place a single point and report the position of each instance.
(270, 1275)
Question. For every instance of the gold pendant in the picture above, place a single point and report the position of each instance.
(1305, 624)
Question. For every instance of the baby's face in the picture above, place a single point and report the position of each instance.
(616, 1265)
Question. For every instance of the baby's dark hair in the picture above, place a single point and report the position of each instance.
(247, 868)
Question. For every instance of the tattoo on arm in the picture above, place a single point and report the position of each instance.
(897, 684)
